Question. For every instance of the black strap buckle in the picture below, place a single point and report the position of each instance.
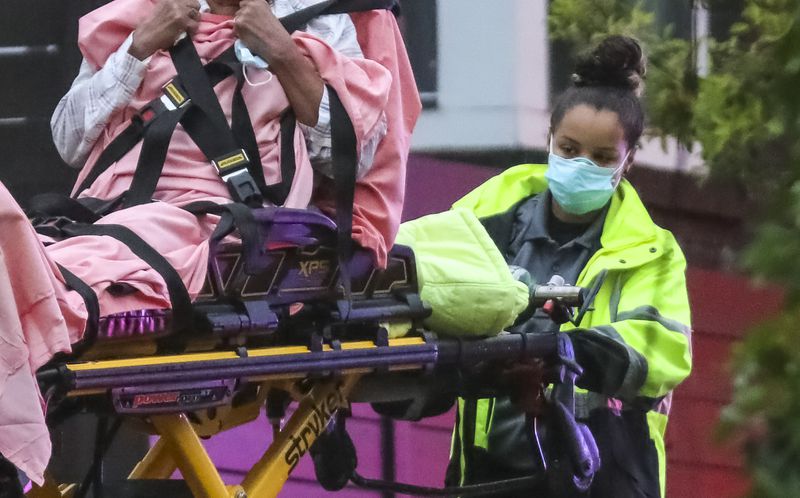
(52, 227)
(147, 114)
(244, 189)
(173, 98)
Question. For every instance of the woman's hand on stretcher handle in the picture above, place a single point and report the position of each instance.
(169, 20)
(262, 32)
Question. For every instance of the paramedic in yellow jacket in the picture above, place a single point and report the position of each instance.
(579, 218)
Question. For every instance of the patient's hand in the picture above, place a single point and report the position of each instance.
(162, 28)
(261, 31)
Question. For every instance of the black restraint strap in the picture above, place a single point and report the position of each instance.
(213, 134)
(353, 6)
(298, 19)
(240, 217)
(128, 139)
(157, 138)
(292, 23)
(198, 85)
(52, 204)
(241, 123)
(345, 166)
(115, 151)
(344, 143)
(244, 135)
(182, 314)
(243, 131)
(280, 191)
(133, 134)
(92, 309)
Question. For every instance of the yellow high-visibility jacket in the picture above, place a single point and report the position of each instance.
(640, 317)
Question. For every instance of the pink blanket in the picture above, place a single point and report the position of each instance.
(38, 318)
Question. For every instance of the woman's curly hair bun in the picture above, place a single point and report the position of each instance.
(617, 62)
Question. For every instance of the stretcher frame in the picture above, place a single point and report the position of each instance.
(179, 447)
(321, 380)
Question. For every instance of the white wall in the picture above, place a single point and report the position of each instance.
(493, 83)
(487, 52)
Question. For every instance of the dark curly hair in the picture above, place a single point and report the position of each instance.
(611, 77)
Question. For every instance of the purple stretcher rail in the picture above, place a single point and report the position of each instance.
(434, 351)
(310, 363)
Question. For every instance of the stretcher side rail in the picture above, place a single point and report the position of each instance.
(328, 378)
(419, 351)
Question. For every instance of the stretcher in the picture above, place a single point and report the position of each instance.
(276, 326)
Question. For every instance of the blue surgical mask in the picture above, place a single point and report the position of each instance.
(249, 59)
(579, 185)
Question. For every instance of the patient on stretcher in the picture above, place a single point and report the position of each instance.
(141, 187)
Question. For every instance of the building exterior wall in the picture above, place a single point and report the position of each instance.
(492, 81)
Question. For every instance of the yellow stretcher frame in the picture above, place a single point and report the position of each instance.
(179, 447)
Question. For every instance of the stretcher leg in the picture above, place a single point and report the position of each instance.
(191, 458)
(157, 464)
(271, 472)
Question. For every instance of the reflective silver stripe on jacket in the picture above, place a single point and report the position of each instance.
(586, 402)
(650, 313)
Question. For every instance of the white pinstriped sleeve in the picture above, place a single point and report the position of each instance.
(339, 32)
(83, 113)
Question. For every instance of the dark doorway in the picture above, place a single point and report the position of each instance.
(39, 59)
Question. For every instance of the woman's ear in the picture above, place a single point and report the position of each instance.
(630, 160)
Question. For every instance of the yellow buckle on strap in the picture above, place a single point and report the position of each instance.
(175, 95)
(231, 163)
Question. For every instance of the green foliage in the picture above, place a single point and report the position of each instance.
(584, 22)
(745, 115)
(773, 253)
(671, 89)
(763, 413)
(747, 112)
